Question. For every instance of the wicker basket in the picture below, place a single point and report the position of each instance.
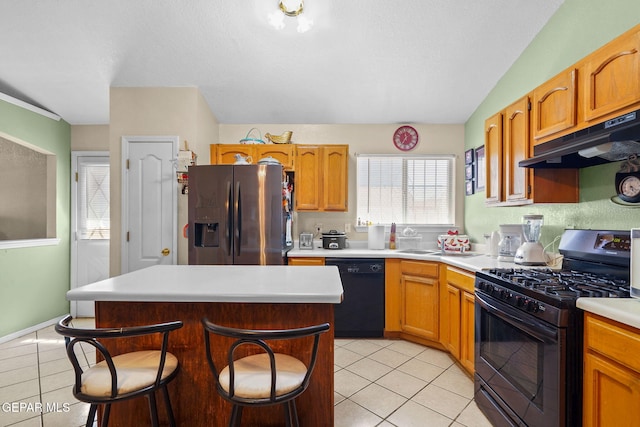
(249, 139)
(285, 138)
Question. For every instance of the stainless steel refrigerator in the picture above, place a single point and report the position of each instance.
(236, 214)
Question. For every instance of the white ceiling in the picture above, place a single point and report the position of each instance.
(363, 61)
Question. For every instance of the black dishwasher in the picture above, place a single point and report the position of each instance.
(361, 313)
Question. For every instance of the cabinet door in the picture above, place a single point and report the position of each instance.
(516, 148)
(611, 393)
(452, 338)
(308, 182)
(420, 306)
(493, 158)
(227, 153)
(306, 261)
(335, 160)
(554, 105)
(284, 153)
(467, 337)
(610, 77)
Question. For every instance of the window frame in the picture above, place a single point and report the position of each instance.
(451, 180)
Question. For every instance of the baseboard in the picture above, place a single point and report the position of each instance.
(27, 331)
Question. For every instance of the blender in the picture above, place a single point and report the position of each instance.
(531, 251)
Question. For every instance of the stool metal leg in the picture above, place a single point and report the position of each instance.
(236, 416)
(105, 415)
(153, 408)
(92, 414)
(294, 411)
(167, 404)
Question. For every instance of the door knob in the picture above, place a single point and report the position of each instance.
(166, 252)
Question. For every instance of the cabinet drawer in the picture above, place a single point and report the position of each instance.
(306, 261)
(461, 279)
(617, 341)
(419, 268)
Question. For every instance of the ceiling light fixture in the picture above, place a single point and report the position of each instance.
(293, 9)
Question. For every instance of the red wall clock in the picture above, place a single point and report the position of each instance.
(405, 138)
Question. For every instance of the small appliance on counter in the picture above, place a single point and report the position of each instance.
(453, 243)
(531, 251)
(409, 239)
(306, 241)
(334, 239)
(510, 240)
(375, 237)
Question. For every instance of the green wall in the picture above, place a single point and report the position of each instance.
(34, 281)
(578, 28)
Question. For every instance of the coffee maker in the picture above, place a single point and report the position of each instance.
(510, 240)
(531, 251)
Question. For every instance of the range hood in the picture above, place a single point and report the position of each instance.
(610, 141)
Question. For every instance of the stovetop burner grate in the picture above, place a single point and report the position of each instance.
(565, 284)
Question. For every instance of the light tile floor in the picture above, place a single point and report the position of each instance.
(377, 383)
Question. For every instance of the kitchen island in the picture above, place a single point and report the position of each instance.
(257, 297)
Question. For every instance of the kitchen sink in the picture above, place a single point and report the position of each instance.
(418, 251)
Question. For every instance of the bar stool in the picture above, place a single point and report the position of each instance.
(125, 376)
(264, 378)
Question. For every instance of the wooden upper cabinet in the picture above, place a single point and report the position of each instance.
(321, 179)
(335, 179)
(609, 76)
(516, 148)
(284, 153)
(225, 154)
(554, 105)
(493, 158)
(308, 179)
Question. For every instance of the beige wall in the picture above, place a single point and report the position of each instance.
(363, 139)
(156, 112)
(90, 138)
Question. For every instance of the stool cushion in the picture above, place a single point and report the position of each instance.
(135, 371)
(253, 375)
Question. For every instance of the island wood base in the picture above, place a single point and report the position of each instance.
(193, 394)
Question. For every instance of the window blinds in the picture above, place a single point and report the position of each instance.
(405, 189)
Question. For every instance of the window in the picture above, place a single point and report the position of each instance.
(27, 191)
(416, 190)
(93, 200)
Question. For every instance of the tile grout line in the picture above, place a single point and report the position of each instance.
(407, 399)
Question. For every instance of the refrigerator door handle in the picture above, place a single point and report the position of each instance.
(238, 220)
(229, 223)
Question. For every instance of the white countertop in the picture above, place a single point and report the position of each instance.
(472, 261)
(218, 283)
(623, 310)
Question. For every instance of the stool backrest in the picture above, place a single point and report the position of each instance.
(259, 338)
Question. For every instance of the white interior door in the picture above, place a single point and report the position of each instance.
(90, 223)
(149, 202)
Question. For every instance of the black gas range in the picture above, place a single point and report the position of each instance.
(529, 331)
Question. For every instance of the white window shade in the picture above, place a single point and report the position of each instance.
(93, 198)
(406, 189)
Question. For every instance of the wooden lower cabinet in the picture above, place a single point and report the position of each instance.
(419, 299)
(306, 261)
(457, 315)
(611, 391)
(467, 341)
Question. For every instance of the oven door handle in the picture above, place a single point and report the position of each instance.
(533, 326)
